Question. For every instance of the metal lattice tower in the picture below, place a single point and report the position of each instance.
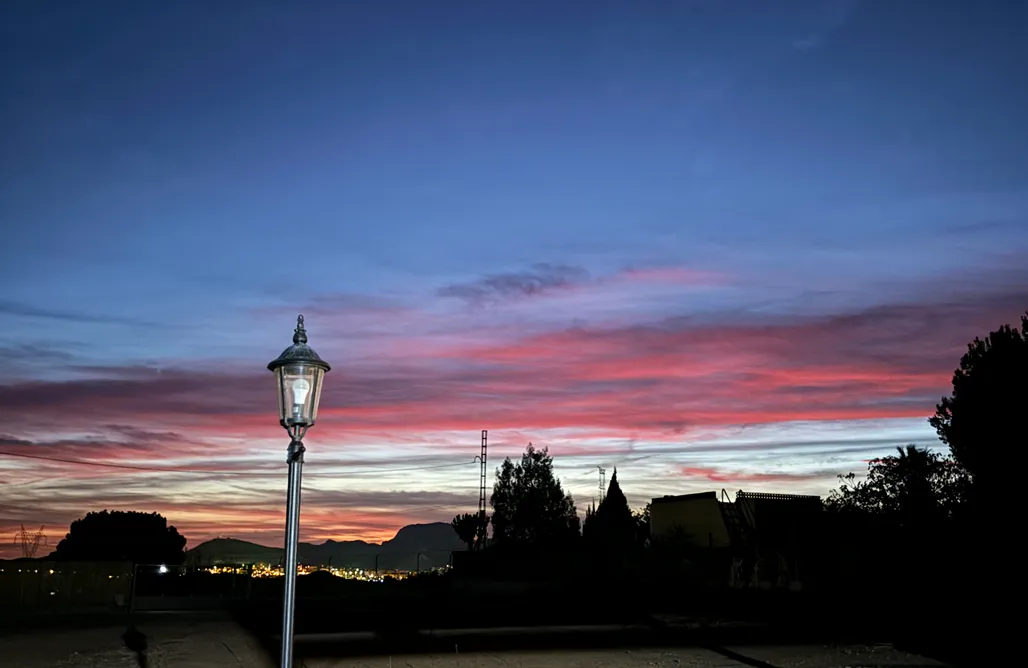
(603, 483)
(483, 458)
(29, 542)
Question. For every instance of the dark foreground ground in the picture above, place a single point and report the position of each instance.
(443, 621)
(214, 640)
(434, 616)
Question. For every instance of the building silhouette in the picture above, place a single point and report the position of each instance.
(759, 540)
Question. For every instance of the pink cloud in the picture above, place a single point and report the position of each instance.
(654, 381)
(672, 275)
(638, 380)
(720, 476)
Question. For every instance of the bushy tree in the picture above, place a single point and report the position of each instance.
(142, 538)
(530, 508)
(983, 420)
(466, 528)
(903, 529)
(914, 487)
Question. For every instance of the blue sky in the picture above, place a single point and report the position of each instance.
(514, 216)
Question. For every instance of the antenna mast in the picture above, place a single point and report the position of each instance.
(603, 483)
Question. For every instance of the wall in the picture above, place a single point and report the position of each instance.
(697, 515)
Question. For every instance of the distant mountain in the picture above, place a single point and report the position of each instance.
(232, 551)
(434, 542)
(434, 536)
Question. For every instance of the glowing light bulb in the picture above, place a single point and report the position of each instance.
(300, 389)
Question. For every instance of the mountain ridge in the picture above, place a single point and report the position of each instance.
(414, 546)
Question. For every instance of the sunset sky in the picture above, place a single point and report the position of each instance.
(715, 244)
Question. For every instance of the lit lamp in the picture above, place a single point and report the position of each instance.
(298, 372)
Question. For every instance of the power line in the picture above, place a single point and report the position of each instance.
(83, 462)
(416, 468)
(156, 469)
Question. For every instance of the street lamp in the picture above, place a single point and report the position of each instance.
(298, 372)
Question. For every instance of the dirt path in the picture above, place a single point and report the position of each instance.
(176, 642)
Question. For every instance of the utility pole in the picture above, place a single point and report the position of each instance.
(482, 458)
(29, 542)
(603, 483)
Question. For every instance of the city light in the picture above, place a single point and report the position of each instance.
(276, 571)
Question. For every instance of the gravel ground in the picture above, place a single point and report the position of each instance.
(848, 656)
(174, 642)
(169, 643)
(636, 658)
(766, 657)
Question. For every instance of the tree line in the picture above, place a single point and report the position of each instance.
(914, 493)
(531, 508)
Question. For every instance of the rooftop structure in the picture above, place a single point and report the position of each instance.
(773, 520)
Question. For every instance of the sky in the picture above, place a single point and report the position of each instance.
(717, 245)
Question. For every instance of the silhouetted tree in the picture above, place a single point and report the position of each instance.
(612, 524)
(642, 523)
(983, 420)
(466, 528)
(142, 538)
(529, 504)
(912, 488)
(902, 532)
(589, 524)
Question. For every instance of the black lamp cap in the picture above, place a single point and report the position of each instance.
(299, 352)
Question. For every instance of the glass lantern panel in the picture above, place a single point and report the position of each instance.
(299, 389)
(319, 375)
(283, 408)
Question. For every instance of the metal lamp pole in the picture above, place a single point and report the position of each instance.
(295, 458)
(299, 373)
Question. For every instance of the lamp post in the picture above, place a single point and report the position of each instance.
(299, 373)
